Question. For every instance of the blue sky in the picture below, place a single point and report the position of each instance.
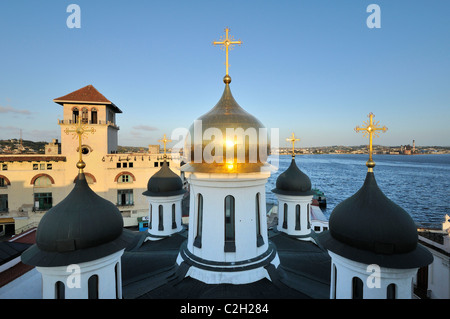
(311, 67)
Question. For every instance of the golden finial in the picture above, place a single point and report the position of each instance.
(165, 141)
(370, 129)
(79, 131)
(225, 43)
(293, 140)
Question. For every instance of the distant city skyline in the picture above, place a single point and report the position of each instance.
(310, 67)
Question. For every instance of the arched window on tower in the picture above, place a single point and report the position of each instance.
(230, 244)
(93, 287)
(84, 115)
(259, 239)
(198, 237)
(160, 218)
(285, 216)
(60, 292)
(94, 119)
(357, 288)
(75, 114)
(297, 217)
(174, 219)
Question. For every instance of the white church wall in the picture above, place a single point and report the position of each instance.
(375, 279)
(166, 202)
(214, 190)
(27, 286)
(292, 202)
(75, 278)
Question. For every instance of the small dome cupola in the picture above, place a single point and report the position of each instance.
(83, 230)
(369, 235)
(294, 195)
(164, 192)
(164, 183)
(293, 182)
(80, 227)
(370, 228)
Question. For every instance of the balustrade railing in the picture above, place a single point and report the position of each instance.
(74, 122)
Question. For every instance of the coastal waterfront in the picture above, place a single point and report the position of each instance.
(420, 184)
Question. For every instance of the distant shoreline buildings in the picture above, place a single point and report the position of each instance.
(15, 146)
(362, 149)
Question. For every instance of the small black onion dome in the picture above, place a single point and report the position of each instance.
(164, 183)
(81, 228)
(370, 228)
(293, 182)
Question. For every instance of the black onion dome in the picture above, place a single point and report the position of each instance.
(370, 228)
(164, 183)
(82, 227)
(293, 182)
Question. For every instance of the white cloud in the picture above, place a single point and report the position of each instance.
(9, 109)
(145, 128)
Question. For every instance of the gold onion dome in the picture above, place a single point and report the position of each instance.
(227, 114)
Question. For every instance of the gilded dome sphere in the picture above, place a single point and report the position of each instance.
(227, 139)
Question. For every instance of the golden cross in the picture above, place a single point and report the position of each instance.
(226, 42)
(293, 140)
(370, 129)
(79, 131)
(165, 141)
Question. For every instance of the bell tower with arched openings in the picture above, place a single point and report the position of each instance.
(90, 107)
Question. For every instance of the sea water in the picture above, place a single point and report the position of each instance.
(420, 184)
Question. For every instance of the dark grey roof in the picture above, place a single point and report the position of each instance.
(293, 182)
(164, 183)
(370, 228)
(151, 272)
(82, 227)
(11, 250)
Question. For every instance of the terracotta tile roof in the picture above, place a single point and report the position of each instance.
(13, 273)
(27, 237)
(87, 94)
